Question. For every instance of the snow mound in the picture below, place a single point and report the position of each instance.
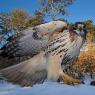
(47, 88)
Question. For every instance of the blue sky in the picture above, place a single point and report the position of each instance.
(79, 11)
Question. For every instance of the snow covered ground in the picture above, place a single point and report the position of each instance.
(47, 88)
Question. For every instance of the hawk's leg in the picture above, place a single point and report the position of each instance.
(53, 67)
(69, 80)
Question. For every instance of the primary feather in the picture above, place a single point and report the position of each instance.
(28, 72)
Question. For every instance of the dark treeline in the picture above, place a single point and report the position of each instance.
(20, 19)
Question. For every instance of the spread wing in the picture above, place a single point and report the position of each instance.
(27, 73)
(34, 70)
(31, 41)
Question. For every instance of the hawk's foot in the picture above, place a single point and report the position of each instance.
(69, 80)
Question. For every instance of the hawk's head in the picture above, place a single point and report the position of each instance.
(80, 29)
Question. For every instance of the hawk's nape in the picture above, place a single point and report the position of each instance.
(32, 40)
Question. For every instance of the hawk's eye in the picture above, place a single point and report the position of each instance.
(36, 35)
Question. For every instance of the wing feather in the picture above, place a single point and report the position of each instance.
(73, 49)
(26, 73)
(31, 41)
(68, 43)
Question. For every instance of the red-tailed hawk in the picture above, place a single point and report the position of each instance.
(53, 46)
